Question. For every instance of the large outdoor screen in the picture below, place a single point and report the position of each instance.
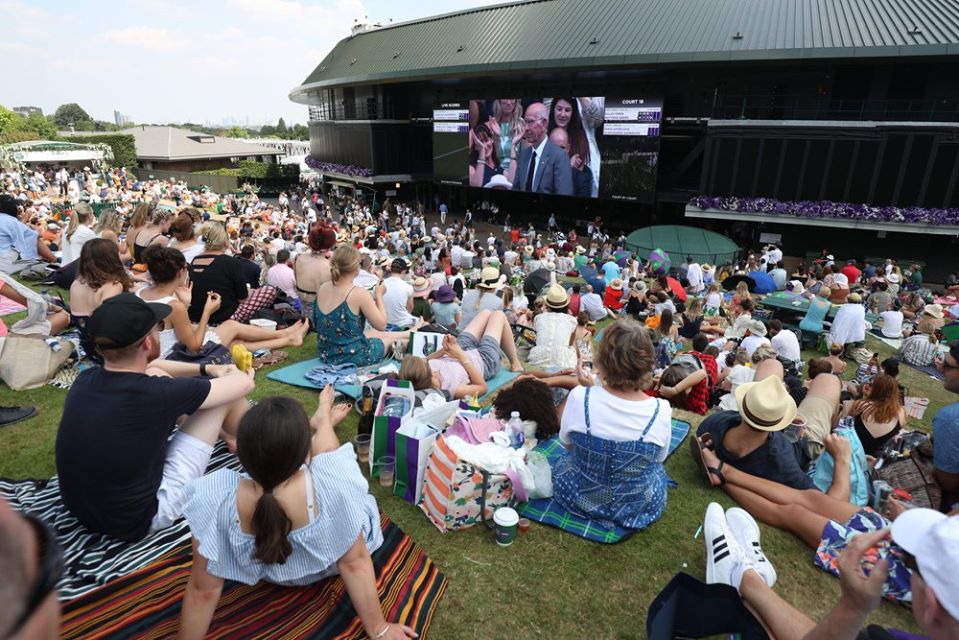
(583, 147)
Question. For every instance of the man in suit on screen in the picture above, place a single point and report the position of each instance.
(542, 167)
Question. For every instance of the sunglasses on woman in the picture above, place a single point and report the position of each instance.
(50, 569)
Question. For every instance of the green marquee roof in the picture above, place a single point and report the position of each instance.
(557, 35)
(679, 242)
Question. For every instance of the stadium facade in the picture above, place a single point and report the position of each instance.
(792, 100)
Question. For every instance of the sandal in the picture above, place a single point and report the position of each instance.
(696, 449)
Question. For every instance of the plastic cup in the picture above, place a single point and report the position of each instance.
(524, 524)
(362, 445)
(387, 470)
(507, 522)
(795, 430)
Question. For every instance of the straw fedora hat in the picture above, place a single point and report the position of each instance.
(616, 284)
(422, 287)
(556, 297)
(934, 310)
(639, 286)
(490, 278)
(765, 405)
(757, 328)
(529, 249)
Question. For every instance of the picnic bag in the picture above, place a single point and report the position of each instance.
(27, 363)
(414, 443)
(209, 353)
(916, 474)
(458, 494)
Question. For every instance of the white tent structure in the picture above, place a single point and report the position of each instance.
(54, 153)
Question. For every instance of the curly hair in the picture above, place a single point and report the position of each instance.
(533, 399)
(625, 357)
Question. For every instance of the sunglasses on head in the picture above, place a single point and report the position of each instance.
(49, 569)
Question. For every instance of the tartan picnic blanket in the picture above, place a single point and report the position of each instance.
(549, 511)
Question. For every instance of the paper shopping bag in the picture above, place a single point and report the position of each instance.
(394, 407)
(414, 442)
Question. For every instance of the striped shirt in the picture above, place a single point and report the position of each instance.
(346, 509)
(918, 351)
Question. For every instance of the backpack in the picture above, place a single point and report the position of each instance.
(688, 361)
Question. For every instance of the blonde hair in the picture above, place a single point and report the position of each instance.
(695, 309)
(215, 237)
(763, 352)
(140, 215)
(345, 260)
(416, 370)
(109, 220)
(742, 290)
(82, 210)
(160, 215)
(516, 121)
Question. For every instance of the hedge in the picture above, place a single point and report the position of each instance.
(123, 145)
(254, 169)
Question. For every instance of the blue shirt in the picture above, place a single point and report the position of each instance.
(14, 234)
(945, 428)
(611, 270)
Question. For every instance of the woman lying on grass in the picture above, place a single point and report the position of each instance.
(302, 514)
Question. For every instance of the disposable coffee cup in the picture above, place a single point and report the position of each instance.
(506, 521)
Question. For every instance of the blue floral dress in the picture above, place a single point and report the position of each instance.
(612, 483)
(340, 338)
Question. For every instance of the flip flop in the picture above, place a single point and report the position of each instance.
(696, 450)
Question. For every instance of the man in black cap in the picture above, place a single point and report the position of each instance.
(121, 473)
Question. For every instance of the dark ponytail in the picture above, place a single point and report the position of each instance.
(272, 442)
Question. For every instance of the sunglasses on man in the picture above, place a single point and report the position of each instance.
(50, 569)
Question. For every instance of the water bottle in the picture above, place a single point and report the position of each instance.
(514, 429)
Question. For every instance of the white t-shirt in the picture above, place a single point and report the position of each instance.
(751, 343)
(786, 344)
(613, 418)
(891, 324)
(71, 246)
(398, 293)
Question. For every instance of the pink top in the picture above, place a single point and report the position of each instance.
(282, 277)
(452, 373)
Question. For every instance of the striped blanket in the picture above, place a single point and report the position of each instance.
(91, 559)
(147, 602)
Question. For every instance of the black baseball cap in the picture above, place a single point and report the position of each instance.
(399, 265)
(124, 319)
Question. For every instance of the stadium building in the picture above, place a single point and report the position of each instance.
(762, 109)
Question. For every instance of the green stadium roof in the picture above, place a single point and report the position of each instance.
(561, 35)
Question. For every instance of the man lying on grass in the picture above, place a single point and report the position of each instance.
(120, 472)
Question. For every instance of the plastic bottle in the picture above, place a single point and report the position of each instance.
(514, 428)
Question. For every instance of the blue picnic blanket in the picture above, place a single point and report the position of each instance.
(548, 511)
(296, 375)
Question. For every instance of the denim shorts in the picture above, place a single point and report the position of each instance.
(488, 349)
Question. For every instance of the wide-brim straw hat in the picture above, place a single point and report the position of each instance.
(422, 287)
(934, 310)
(617, 284)
(765, 405)
(490, 278)
(557, 297)
(757, 328)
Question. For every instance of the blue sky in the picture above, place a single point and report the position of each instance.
(177, 61)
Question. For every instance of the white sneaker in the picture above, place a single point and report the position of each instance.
(724, 558)
(744, 529)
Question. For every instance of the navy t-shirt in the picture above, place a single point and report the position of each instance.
(775, 460)
(112, 444)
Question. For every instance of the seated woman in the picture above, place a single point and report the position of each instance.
(822, 521)
(636, 305)
(303, 513)
(100, 275)
(616, 436)
(839, 289)
(835, 359)
(879, 417)
(341, 312)
(311, 269)
(613, 295)
(464, 363)
(555, 329)
(691, 320)
(813, 321)
(168, 270)
(849, 325)
(919, 349)
(667, 339)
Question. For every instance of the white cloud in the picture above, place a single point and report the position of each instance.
(143, 37)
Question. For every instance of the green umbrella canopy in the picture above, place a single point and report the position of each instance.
(679, 241)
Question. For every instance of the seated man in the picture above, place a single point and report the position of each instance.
(120, 472)
(946, 431)
(592, 303)
(925, 563)
(751, 439)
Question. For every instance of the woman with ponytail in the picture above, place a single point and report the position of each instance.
(303, 513)
(78, 232)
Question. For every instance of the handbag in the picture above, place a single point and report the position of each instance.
(915, 473)
(27, 363)
(209, 353)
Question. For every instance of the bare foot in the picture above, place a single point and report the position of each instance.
(339, 412)
(516, 366)
(297, 336)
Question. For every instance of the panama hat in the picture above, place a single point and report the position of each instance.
(854, 298)
(422, 287)
(580, 249)
(490, 278)
(706, 266)
(639, 286)
(765, 405)
(499, 181)
(551, 253)
(556, 297)
(616, 283)
(934, 310)
(757, 328)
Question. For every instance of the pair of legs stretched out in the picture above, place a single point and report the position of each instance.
(233, 333)
(494, 324)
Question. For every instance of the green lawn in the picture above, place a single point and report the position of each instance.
(549, 584)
